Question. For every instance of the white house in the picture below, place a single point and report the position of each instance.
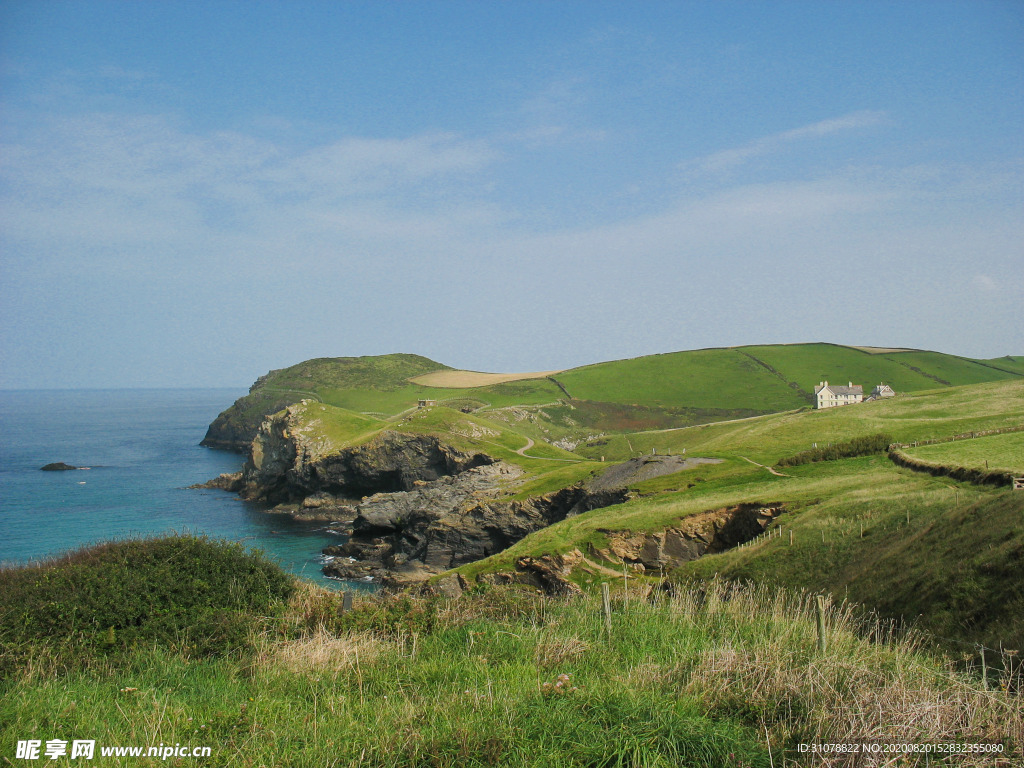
(880, 392)
(833, 395)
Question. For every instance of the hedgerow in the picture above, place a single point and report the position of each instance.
(858, 446)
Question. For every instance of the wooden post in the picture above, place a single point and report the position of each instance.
(791, 537)
(821, 622)
(984, 668)
(346, 602)
(625, 584)
(606, 603)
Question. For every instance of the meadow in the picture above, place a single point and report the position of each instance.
(709, 675)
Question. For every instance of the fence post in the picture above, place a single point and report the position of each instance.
(821, 622)
(984, 668)
(606, 604)
(346, 602)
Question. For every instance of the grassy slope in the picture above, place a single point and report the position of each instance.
(1011, 363)
(667, 390)
(708, 378)
(1002, 452)
(766, 378)
(506, 679)
(938, 413)
(835, 499)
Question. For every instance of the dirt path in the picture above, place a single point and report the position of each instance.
(762, 466)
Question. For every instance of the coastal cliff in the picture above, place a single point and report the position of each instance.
(403, 538)
(291, 460)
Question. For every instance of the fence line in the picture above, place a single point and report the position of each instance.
(954, 438)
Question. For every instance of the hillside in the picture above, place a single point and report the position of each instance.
(945, 554)
(651, 392)
(844, 515)
(708, 677)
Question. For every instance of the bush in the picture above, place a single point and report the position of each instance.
(188, 593)
(859, 446)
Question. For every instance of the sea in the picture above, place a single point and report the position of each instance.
(141, 447)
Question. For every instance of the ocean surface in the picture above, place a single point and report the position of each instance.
(142, 447)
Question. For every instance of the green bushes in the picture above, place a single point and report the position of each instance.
(858, 446)
(184, 592)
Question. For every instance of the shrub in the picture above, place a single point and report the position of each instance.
(858, 446)
(188, 593)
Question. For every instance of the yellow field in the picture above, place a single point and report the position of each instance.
(469, 379)
(881, 350)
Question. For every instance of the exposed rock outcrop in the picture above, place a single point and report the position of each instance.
(548, 573)
(403, 538)
(694, 536)
(289, 462)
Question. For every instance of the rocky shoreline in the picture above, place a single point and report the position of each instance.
(414, 507)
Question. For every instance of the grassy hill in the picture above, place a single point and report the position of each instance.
(902, 542)
(565, 427)
(651, 392)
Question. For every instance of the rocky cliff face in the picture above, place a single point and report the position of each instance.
(235, 428)
(705, 533)
(702, 534)
(289, 462)
(404, 538)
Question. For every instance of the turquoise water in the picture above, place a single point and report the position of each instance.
(142, 447)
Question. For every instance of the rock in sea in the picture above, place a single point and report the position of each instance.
(57, 466)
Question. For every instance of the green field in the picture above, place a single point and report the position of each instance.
(1002, 452)
(846, 515)
(921, 416)
(652, 392)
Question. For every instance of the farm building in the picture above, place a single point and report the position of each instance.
(834, 395)
(880, 392)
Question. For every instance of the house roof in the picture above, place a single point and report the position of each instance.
(836, 389)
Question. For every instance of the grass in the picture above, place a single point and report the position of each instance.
(716, 676)
(332, 428)
(1005, 452)
(652, 392)
(709, 378)
(924, 415)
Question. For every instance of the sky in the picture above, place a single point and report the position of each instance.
(194, 193)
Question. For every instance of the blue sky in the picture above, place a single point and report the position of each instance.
(192, 193)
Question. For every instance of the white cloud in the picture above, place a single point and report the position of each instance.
(729, 159)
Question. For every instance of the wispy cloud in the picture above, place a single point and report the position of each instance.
(730, 159)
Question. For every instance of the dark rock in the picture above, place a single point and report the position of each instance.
(694, 536)
(550, 573)
(441, 525)
(229, 481)
(58, 466)
(284, 467)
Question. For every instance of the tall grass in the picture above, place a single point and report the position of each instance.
(716, 675)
